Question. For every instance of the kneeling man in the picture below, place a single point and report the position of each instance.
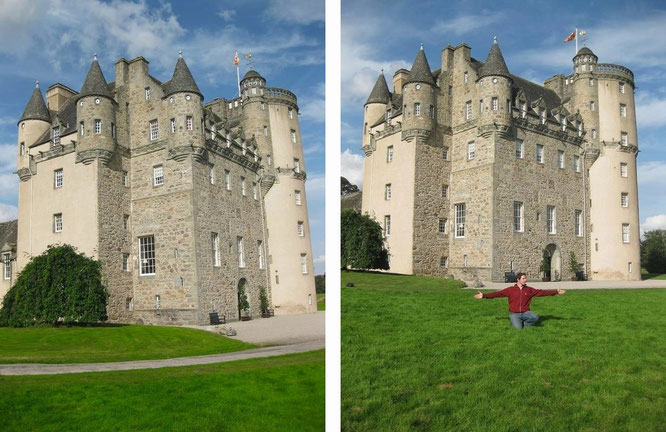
(519, 296)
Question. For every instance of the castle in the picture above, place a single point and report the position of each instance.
(184, 203)
(474, 171)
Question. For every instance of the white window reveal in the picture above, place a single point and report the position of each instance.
(387, 225)
(297, 197)
(578, 220)
(297, 165)
(57, 222)
(389, 154)
(471, 152)
(189, 123)
(299, 229)
(518, 219)
(459, 222)
(539, 153)
(624, 199)
(441, 228)
(519, 148)
(57, 178)
(154, 130)
(625, 233)
(240, 251)
(550, 219)
(98, 126)
(147, 255)
(7, 264)
(158, 175)
(215, 245)
(227, 180)
(304, 263)
(623, 169)
(387, 192)
(623, 110)
(560, 159)
(260, 253)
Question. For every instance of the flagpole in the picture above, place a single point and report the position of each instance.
(238, 79)
(576, 40)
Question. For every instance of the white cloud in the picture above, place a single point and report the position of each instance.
(351, 167)
(312, 107)
(652, 173)
(226, 14)
(8, 185)
(653, 223)
(8, 212)
(296, 11)
(316, 148)
(7, 158)
(315, 186)
(320, 259)
(464, 24)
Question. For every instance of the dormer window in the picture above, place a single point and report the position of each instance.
(523, 109)
(56, 136)
(543, 115)
(564, 123)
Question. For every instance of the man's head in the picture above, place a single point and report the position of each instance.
(521, 278)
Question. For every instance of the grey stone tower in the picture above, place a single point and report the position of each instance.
(34, 122)
(418, 95)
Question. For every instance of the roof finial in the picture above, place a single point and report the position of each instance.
(382, 72)
(421, 46)
(180, 53)
(494, 39)
(95, 57)
(36, 84)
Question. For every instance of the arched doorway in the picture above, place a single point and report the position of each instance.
(241, 292)
(553, 255)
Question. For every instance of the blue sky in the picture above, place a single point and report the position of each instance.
(378, 34)
(54, 41)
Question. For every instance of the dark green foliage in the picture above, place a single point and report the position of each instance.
(362, 242)
(59, 285)
(320, 284)
(653, 251)
(263, 299)
(573, 263)
(346, 187)
(243, 303)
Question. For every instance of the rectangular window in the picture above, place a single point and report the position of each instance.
(623, 110)
(293, 136)
(543, 116)
(299, 227)
(147, 255)
(125, 179)
(263, 106)
(173, 125)
(57, 222)
(387, 225)
(465, 77)
(623, 169)
(442, 226)
(480, 106)
(297, 197)
(518, 219)
(113, 130)
(578, 220)
(519, 149)
(291, 113)
(624, 199)
(255, 191)
(576, 163)
(417, 109)
(265, 130)
(215, 245)
(126, 267)
(468, 110)
(445, 191)
(621, 87)
(591, 105)
(594, 134)
(243, 191)
(189, 123)
(22, 149)
(389, 154)
(624, 139)
(241, 252)
(297, 165)
(432, 111)
(443, 261)
(471, 154)
(158, 175)
(211, 174)
(129, 304)
(158, 303)
(387, 192)
(260, 253)
(227, 180)
(494, 104)
(629, 267)
(304, 263)
(81, 129)
(539, 153)
(7, 264)
(564, 124)
(523, 109)
(98, 126)
(57, 178)
(625, 233)
(445, 153)
(56, 136)
(154, 130)
(550, 219)
(591, 82)
(560, 159)
(147, 90)
(460, 211)
(126, 222)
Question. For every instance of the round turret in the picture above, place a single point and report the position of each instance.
(255, 120)
(584, 60)
(375, 108)
(252, 84)
(35, 120)
(419, 99)
(494, 87)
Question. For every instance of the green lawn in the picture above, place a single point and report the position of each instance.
(321, 302)
(422, 354)
(108, 343)
(280, 393)
(645, 275)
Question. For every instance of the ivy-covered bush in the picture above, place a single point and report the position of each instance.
(58, 286)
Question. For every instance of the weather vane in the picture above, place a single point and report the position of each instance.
(250, 60)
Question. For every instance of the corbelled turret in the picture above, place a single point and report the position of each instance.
(181, 80)
(494, 86)
(419, 100)
(36, 108)
(380, 92)
(36, 120)
(95, 84)
(375, 108)
(495, 64)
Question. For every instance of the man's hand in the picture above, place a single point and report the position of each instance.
(560, 291)
(479, 295)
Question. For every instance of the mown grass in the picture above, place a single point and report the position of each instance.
(645, 275)
(278, 393)
(321, 302)
(422, 354)
(108, 344)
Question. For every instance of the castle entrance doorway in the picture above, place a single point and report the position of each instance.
(552, 253)
(241, 292)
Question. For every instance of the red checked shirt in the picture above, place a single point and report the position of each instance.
(519, 299)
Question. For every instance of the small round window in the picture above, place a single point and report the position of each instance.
(418, 86)
(97, 101)
(188, 97)
(81, 103)
(22, 125)
(171, 99)
(495, 80)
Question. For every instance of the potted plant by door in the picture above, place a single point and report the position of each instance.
(263, 300)
(573, 266)
(544, 268)
(243, 304)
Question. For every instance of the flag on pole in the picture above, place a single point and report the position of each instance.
(571, 37)
(236, 59)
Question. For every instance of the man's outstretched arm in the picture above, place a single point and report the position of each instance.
(500, 293)
(543, 293)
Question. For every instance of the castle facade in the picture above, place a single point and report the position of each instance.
(184, 203)
(474, 171)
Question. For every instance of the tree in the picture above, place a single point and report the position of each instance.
(362, 242)
(59, 285)
(346, 187)
(243, 303)
(320, 284)
(653, 251)
(263, 299)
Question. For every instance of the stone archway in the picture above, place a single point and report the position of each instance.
(242, 287)
(555, 256)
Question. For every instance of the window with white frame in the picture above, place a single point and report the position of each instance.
(126, 266)
(471, 153)
(441, 227)
(158, 302)
(623, 169)
(297, 165)
(304, 263)
(215, 245)
(57, 222)
(494, 104)
(147, 255)
(387, 191)
(560, 159)
(539, 153)
(624, 140)
(227, 180)
(432, 111)
(459, 222)
(240, 250)
(81, 129)
(125, 221)
(443, 261)
(255, 191)
(445, 153)
(126, 179)
(625, 233)
(550, 220)
(465, 77)
(518, 216)
(129, 304)
(520, 146)
(299, 229)
(260, 253)
(189, 123)
(576, 163)
(57, 178)
(594, 134)
(624, 199)
(591, 105)
(154, 130)
(173, 125)
(468, 110)
(243, 191)
(211, 174)
(147, 91)
(417, 109)
(56, 136)
(591, 82)
(623, 110)
(621, 87)
(293, 135)
(297, 197)
(578, 221)
(387, 225)
(7, 264)
(445, 191)
(523, 109)
(629, 267)
(158, 175)
(290, 111)
(98, 126)
(389, 154)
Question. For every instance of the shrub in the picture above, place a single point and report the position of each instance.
(362, 242)
(263, 299)
(653, 251)
(59, 285)
(320, 284)
(243, 303)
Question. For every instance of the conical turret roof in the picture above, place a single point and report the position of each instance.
(380, 92)
(252, 74)
(95, 84)
(494, 64)
(585, 50)
(421, 70)
(181, 80)
(36, 108)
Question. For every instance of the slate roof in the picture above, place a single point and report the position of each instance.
(494, 64)
(420, 70)
(181, 80)
(252, 74)
(95, 84)
(36, 108)
(8, 231)
(585, 50)
(380, 92)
